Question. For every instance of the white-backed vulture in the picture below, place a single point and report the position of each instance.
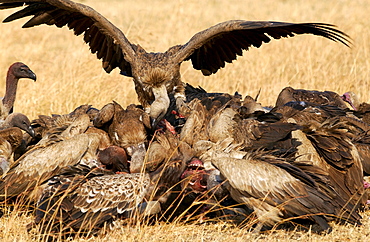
(290, 94)
(48, 157)
(157, 74)
(16, 71)
(164, 146)
(56, 124)
(295, 194)
(127, 129)
(83, 201)
(329, 146)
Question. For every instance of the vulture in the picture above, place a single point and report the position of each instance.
(127, 129)
(301, 191)
(5, 156)
(361, 109)
(45, 125)
(80, 199)
(157, 74)
(329, 145)
(290, 94)
(15, 72)
(18, 120)
(9, 119)
(46, 159)
(352, 98)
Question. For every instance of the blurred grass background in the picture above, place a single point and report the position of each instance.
(69, 76)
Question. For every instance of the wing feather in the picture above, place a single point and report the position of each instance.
(81, 19)
(87, 202)
(221, 38)
(38, 165)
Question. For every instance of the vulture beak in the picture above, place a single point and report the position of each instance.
(30, 131)
(31, 75)
(158, 108)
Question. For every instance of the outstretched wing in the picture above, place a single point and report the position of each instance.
(211, 48)
(104, 39)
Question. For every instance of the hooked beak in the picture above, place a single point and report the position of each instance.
(158, 108)
(31, 75)
(30, 131)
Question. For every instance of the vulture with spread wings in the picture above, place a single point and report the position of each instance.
(157, 74)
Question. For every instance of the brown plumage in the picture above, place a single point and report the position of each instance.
(296, 194)
(206, 110)
(114, 158)
(13, 135)
(44, 160)
(226, 122)
(127, 129)
(361, 109)
(290, 94)
(157, 74)
(84, 200)
(57, 123)
(359, 133)
(16, 71)
(18, 120)
(105, 140)
(329, 146)
(164, 147)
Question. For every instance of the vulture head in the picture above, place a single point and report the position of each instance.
(351, 98)
(194, 177)
(157, 74)
(114, 158)
(20, 70)
(15, 72)
(19, 120)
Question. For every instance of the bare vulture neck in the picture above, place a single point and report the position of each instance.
(10, 91)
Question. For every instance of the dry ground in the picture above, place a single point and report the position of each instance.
(68, 76)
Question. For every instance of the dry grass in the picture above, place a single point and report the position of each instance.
(68, 76)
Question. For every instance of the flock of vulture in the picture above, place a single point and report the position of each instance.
(183, 152)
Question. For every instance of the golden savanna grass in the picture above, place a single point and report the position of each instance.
(68, 76)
